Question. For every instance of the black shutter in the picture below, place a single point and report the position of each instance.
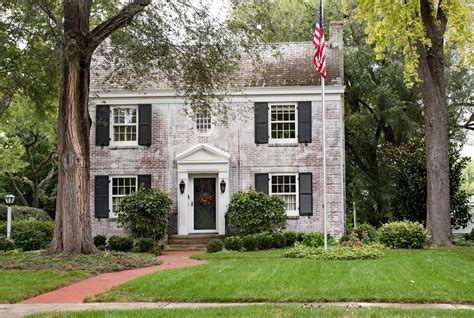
(101, 196)
(306, 193)
(261, 182)
(304, 122)
(261, 123)
(144, 125)
(102, 122)
(144, 179)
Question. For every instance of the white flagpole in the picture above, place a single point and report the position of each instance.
(324, 168)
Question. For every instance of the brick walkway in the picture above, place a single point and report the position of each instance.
(77, 292)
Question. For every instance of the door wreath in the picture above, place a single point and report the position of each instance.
(205, 199)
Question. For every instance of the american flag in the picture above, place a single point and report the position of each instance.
(318, 41)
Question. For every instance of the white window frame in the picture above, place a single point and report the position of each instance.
(112, 124)
(111, 195)
(288, 212)
(282, 140)
(207, 133)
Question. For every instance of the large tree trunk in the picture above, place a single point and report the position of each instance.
(431, 73)
(72, 231)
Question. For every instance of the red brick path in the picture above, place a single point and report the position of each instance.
(77, 292)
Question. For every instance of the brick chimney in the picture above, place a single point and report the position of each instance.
(335, 34)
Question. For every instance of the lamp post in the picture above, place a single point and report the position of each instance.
(9, 199)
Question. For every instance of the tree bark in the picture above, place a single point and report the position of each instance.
(72, 232)
(432, 86)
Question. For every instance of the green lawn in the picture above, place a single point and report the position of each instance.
(24, 275)
(439, 275)
(264, 311)
(17, 285)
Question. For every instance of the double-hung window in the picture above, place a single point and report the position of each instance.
(121, 186)
(285, 186)
(283, 123)
(124, 125)
(203, 121)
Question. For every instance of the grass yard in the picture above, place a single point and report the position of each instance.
(432, 275)
(24, 275)
(264, 311)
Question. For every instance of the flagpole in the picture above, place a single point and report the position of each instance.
(324, 167)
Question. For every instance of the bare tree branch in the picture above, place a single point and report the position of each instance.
(15, 187)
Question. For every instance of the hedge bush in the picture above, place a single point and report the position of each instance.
(278, 240)
(301, 250)
(264, 240)
(30, 234)
(293, 237)
(249, 243)
(145, 245)
(233, 243)
(214, 246)
(366, 233)
(254, 212)
(403, 234)
(145, 213)
(120, 244)
(23, 213)
(6, 244)
(100, 241)
(313, 239)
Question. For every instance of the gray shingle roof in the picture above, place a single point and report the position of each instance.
(285, 64)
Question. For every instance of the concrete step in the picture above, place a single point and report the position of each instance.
(193, 241)
(187, 247)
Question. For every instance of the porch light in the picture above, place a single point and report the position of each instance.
(182, 186)
(9, 199)
(222, 184)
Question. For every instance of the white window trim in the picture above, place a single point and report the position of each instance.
(282, 140)
(288, 212)
(112, 215)
(122, 143)
(203, 133)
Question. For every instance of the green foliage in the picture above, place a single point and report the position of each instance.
(255, 212)
(471, 236)
(30, 234)
(24, 212)
(279, 240)
(233, 243)
(301, 250)
(468, 178)
(293, 237)
(366, 233)
(264, 240)
(100, 240)
(145, 213)
(120, 244)
(6, 244)
(214, 246)
(146, 245)
(313, 239)
(249, 242)
(462, 240)
(403, 234)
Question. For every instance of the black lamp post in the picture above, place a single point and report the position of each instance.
(182, 186)
(222, 184)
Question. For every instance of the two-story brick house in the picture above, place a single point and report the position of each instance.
(275, 144)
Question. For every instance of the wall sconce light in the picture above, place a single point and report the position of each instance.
(182, 186)
(222, 184)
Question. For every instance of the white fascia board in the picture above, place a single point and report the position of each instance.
(294, 93)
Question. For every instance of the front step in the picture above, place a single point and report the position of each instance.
(191, 242)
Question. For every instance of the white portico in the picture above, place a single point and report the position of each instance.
(203, 172)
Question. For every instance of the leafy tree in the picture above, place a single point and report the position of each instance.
(468, 178)
(420, 28)
(193, 51)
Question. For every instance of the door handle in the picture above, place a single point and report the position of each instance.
(192, 203)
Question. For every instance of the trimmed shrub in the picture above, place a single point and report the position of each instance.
(23, 213)
(336, 253)
(366, 233)
(403, 234)
(145, 213)
(249, 242)
(279, 240)
(30, 234)
(6, 244)
(100, 240)
(214, 246)
(471, 236)
(145, 245)
(120, 244)
(313, 239)
(254, 212)
(233, 243)
(292, 237)
(264, 241)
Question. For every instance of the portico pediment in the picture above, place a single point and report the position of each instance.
(203, 153)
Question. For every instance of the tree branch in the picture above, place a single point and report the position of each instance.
(121, 19)
(43, 5)
(15, 187)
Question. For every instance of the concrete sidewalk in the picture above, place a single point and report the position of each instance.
(20, 310)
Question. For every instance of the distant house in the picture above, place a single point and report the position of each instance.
(143, 136)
